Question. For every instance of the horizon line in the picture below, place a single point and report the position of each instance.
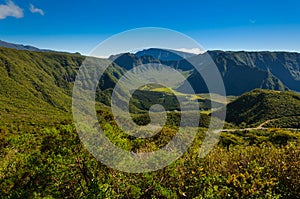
(205, 50)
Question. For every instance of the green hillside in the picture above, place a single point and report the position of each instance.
(35, 85)
(284, 67)
(36, 88)
(260, 106)
(42, 156)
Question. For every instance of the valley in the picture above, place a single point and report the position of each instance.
(42, 155)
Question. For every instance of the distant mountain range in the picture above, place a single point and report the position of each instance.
(241, 71)
(164, 54)
(270, 70)
(41, 82)
(21, 47)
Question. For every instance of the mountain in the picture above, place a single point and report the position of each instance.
(41, 82)
(36, 85)
(45, 156)
(21, 47)
(241, 71)
(283, 66)
(128, 60)
(239, 74)
(258, 106)
(164, 54)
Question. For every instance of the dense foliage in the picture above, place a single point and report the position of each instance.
(36, 84)
(260, 105)
(52, 163)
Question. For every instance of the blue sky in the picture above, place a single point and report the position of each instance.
(216, 24)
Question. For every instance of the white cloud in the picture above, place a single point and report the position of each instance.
(191, 50)
(36, 10)
(10, 9)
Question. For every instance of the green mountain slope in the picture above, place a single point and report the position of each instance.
(36, 85)
(245, 71)
(241, 71)
(39, 84)
(283, 65)
(259, 105)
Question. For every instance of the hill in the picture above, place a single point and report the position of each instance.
(259, 106)
(35, 85)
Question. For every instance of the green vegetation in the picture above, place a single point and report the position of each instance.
(150, 94)
(256, 137)
(259, 105)
(35, 87)
(52, 163)
(285, 122)
(41, 155)
(244, 71)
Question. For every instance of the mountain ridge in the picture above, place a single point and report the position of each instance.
(241, 71)
(23, 47)
(164, 54)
